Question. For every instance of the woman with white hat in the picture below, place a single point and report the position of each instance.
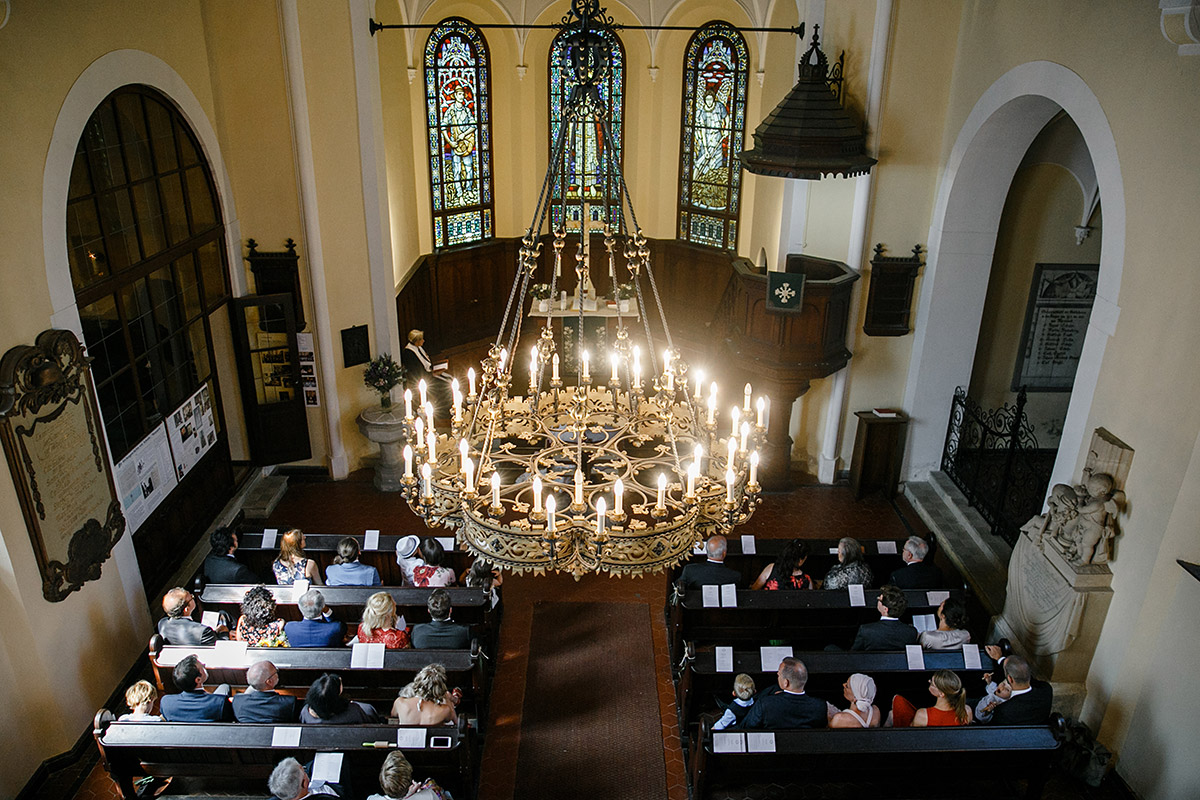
(408, 558)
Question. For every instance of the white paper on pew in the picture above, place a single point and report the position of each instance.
(887, 547)
(327, 767)
(210, 618)
(857, 598)
(371, 540)
(285, 737)
(298, 588)
(748, 548)
(833, 551)
(447, 542)
(916, 658)
(924, 622)
(729, 742)
(771, 656)
(698, 549)
(366, 656)
(760, 742)
(268, 540)
(729, 595)
(711, 595)
(410, 738)
(228, 654)
(937, 598)
(971, 657)
(724, 659)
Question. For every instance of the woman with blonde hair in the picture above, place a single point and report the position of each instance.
(949, 708)
(293, 565)
(426, 700)
(379, 623)
(396, 781)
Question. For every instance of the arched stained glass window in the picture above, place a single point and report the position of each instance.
(715, 67)
(586, 153)
(458, 110)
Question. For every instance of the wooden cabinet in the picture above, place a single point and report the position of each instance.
(878, 453)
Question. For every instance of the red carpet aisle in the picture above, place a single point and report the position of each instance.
(590, 723)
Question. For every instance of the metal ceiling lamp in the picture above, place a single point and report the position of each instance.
(809, 134)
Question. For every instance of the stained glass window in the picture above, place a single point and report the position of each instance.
(715, 66)
(458, 115)
(587, 153)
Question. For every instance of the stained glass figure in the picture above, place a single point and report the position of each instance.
(716, 67)
(587, 151)
(459, 121)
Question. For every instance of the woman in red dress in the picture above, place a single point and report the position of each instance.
(788, 571)
(379, 623)
(949, 709)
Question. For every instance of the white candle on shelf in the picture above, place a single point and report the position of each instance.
(554, 364)
(600, 510)
(408, 403)
(662, 491)
(423, 390)
(746, 400)
(427, 476)
(537, 492)
(754, 467)
(495, 488)
(578, 487)
(407, 461)
(471, 382)
(618, 494)
(762, 408)
(729, 476)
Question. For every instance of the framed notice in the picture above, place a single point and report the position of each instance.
(1056, 321)
(58, 461)
(145, 477)
(191, 430)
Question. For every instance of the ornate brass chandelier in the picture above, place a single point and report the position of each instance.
(616, 470)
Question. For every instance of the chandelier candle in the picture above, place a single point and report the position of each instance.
(408, 405)
(422, 389)
(746, 401)
(471, 384)
(761, 406)
(408, 461)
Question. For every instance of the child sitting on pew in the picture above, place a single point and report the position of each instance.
(396, 781)
(743, 698)
(140, 698)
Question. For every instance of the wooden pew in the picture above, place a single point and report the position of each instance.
(697, 680)
(300, 666)
(807, 620)
(916, 755)
(820, 560)
(240, 750)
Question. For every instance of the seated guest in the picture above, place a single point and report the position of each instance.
(859, 689)
(178, 627)
(440, 633)
(712, 571)
(316, 629)
(140, 698)
(379, 623)
(346, 570)
(221, 566)
(407, 557)
(851, 568)
(432, 572)
(325, 705)
(396, 781)
(1019, 700)
(919, 571)
(261, 703)
(951, 632)
(289, 781)
(426, 700)
(193, 704)
(257, 626)
(293, 565)
(787, 572)
(743, 699)
(789, 706)
(889, 633)
(481, 574)
(949, 707)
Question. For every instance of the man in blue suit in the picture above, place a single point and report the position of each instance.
(789, 706)
(193, 704)
(262, 703)
(315, 630)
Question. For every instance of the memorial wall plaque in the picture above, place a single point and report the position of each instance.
(1056, 321)
(56, 455)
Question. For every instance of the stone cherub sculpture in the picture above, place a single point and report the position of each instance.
(1081, 520)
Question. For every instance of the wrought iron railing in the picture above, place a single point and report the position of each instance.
(992, 456)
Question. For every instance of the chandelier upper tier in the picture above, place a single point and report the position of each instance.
(560, 459)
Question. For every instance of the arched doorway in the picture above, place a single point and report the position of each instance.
(962, 239)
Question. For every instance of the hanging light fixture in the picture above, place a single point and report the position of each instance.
(627, 465)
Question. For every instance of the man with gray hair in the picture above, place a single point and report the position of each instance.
(261, 703)
(788, 706)
(713, 571)
(919, 571)
(316, 629)
(288, 780)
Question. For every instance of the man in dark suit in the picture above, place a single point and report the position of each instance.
(919, 571)
(315, 630)
(889, 633)
(1020, 699)
(789, 706)
(262, 703)
(712, 572)
(193, 704)
(441, 633)
(221, 566)
(178, 627)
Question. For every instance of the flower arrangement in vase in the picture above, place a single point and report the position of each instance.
(541, 293)
(381, 374)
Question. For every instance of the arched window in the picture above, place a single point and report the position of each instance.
(146, 246)
(586, 154)
(715, 69)
(458, 112)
